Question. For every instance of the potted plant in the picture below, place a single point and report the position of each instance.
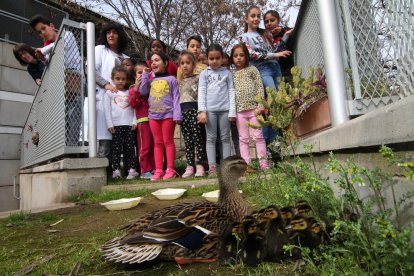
(301, 104)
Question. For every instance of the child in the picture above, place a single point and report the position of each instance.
(280, 38)
(144, 136)
(194, 47)
(263, 56)
(216, 104)
(25, 55)
(248, 85)
(158, 46)
(119, 118)
(164, 112)
(129, 65)
(202, 58)
(225, 62)
(190, 128)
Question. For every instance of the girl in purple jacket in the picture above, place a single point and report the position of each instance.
(164, 113)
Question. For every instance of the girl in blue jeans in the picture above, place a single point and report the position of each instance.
(263, 56)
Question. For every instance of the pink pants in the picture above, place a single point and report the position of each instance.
(163, 133)
(241, 119)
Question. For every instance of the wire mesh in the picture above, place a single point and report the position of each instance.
(55, 123)
(308, 46)
(381, 38)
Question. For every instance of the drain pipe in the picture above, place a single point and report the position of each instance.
(14, 188)
(334, 67)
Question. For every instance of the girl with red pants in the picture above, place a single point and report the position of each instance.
(164, 112)
(145, 141)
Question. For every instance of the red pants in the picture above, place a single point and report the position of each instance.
(163, 133)
(145, 147)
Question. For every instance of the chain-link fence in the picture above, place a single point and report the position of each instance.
(377, 42)
(55, 123)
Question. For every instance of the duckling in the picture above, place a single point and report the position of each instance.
(276, 236)
(230, 243)
(287, 214)
(253, 246)
(301, 235)
(303, 208)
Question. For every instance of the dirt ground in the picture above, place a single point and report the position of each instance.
(27, 244)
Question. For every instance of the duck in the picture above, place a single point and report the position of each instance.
(275, 233)
(185, 232)
(301, 235)
(287, 214)
(253, 246)
(230, 243)
(303, 208)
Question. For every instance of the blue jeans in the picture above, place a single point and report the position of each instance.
(269, 73)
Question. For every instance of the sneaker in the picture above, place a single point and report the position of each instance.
(116, 174)
(132, 174)
(189, 171)
(169, 174)
(157, 175)
(146, 175)
(200, 171)
(213, 171)
(264, 165)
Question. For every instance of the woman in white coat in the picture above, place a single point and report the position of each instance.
(108, 54)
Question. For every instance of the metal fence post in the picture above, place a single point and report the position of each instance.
(334, 67)
(90, 41)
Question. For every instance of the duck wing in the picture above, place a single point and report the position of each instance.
(169, 230)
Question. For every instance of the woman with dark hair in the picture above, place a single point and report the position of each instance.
(113, 41)
(158, 46)
(25, 55)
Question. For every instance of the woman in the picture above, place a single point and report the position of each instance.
(108, 54)
(26, 57)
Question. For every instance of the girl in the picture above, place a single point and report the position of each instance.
(158, 46)
(263, 56)
(129, 65)
(190, 128)
(119, 118)
(280, 38)
(216, 104)
(248, 85)
(145, 145)
(25, 55)
(164, 112)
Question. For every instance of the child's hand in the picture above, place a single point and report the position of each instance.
(283, 54)
(38, 82)
(177, 122)
(110, 87)
(202, 118)
(111, 130)
(232, 120)
(290, 32)
(38, 54)
(148, 70)
(276, 31)
(137, 82)
(259, 110)
(133, 127)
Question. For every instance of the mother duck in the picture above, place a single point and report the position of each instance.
(186, 232)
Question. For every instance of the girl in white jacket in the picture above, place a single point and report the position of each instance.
(120, 119)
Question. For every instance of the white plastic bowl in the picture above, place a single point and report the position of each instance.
(121, 204)
(169, 193)
(214, 195)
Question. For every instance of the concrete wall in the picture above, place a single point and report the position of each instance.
(16, 94)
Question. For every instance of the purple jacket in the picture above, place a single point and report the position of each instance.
(164, 97)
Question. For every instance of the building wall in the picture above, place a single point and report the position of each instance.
(16, 95)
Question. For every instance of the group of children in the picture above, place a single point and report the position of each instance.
(202, 94)
(193, 95)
